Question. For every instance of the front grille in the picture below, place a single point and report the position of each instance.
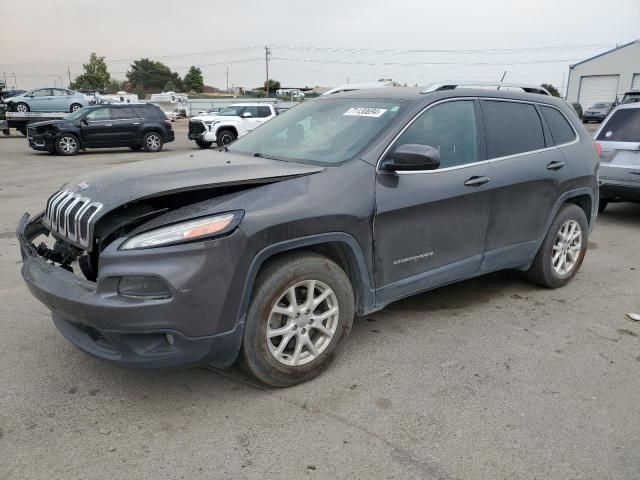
(70, 215)
(31, 132)
(196, 128)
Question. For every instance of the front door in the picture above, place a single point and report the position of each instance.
(41, 100)
(97, 128)
(430, 226)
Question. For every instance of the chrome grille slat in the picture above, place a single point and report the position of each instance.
(70, 215)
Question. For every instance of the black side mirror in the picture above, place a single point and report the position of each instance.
(85, 121)
(412, 157)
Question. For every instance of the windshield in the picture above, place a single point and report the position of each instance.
(321, 132)
(78, 114)
(601, 105)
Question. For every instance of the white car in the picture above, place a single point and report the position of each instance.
(173, 116)
(230, 123)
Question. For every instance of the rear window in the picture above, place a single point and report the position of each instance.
(622, 126)
(561, 131)
(511, 128)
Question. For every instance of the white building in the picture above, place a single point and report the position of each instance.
(605, 77)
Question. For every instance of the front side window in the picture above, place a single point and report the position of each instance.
(231, 111)
(561, 131)
(321, 132)
(622, 126)
(252, 110)
(45, 92)
(511, 128)
(99, 115)
(450, 128)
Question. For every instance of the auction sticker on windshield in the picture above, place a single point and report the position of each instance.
(365, 112)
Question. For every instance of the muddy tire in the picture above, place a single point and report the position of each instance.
(301, 310)
(563, 249)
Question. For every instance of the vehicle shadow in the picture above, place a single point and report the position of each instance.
(623, 213)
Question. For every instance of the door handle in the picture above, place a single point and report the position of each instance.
(555, 165)
(136, 123)
(108, 124)
(477, 181)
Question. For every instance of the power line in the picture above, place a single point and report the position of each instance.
(417, 64)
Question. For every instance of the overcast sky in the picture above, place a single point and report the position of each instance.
(313, 43)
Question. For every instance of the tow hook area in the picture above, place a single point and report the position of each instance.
(61, 253)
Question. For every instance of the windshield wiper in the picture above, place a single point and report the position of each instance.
(270, 157)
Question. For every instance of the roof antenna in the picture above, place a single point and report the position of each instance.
(501, 80)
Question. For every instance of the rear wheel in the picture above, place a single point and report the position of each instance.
(75, 107)
(204, 145)
(225, 137)
(67, 144)
(562, 250)
(301, 309)
(22, 107)
(152, 142)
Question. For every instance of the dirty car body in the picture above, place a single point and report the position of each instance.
(393, 233)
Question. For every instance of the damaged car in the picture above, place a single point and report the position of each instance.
(264, 253)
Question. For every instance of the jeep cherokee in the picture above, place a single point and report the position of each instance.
(264, 253)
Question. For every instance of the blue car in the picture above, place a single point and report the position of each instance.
(47, 100)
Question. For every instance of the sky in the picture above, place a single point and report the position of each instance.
(325, 43)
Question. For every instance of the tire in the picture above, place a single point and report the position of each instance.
(204, 145)
(137, 148)
(22, 130)
(553, 273)
(22, 107)
(602, 205)
(67, 144)
(259, 354)
(224, 137)
(74, 107)
(152, 142)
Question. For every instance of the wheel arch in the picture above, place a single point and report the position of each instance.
(341, 248)
(227, 127)
(584, 197)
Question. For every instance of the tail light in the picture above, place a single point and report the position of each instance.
(599, 149)
(168, 122)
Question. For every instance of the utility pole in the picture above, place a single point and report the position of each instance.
(5, 79)
(69, 73)
(15, 81)
(227, 78)
(267, 52)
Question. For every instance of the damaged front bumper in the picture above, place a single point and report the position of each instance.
(180, 329)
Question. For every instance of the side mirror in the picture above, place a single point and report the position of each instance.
(246, 115)
(85, 121)
(412, 157)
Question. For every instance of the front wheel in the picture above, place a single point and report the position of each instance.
(67, 145)
(22, 107)
(204, 145)
(225, 137)
(152, 142)
(562, 250)
(301, 309)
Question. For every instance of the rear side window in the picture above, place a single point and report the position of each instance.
(622, 126)
(450, 128)
(511, 128)
(99, 115)
(264, 112)
(561, 131)
(149, 112)
(122, 113)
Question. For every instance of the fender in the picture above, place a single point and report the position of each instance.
(572, 194)
(365, 289)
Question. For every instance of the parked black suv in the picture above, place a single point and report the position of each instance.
(137, 126)
(347, 203)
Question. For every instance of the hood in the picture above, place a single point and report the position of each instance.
(188, 172)
(48, 123)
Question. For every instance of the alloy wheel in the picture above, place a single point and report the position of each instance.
(302, 323)
(566, 247)
(153, 142)
(68, 144)
(22, 108)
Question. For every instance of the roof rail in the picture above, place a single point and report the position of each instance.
(435, 87)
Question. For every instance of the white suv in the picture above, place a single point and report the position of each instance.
(229, 123)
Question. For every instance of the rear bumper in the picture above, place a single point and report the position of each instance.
(134, 332)
(170, 136)
(593, 117)
(612, 190)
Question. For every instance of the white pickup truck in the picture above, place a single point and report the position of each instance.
(229, 123)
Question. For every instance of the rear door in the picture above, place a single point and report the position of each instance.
(619, 137)
(97, 128)
(125, 126)
(531, 175)
(430, 226)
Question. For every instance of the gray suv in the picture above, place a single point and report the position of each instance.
(265, 252)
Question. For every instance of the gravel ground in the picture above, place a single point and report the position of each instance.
(492, 378)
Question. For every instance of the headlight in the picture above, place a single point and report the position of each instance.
(198, 229)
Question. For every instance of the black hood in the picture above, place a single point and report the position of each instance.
(187, 172)
(49, 123)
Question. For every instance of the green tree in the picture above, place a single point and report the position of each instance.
(151, 75)
(169, 86)
(193, 80)
(551, 89)
(273, 86)
(114, 86)
(95, 77)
